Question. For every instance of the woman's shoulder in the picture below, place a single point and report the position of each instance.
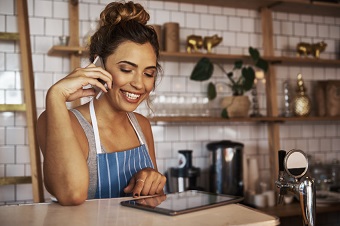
(142, 120)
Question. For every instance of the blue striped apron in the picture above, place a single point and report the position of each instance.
(116, 169)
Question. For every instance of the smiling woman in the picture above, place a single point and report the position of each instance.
(102, 149)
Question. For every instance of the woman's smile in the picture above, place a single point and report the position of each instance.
(131, 97)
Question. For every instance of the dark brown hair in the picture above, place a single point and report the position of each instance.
(120, 22)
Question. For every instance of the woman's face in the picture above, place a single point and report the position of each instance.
(133, 70)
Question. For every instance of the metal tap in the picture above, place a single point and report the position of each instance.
(292, 170)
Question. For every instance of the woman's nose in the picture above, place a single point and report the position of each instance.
(137, 81)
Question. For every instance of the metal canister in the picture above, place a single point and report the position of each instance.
(226, 167)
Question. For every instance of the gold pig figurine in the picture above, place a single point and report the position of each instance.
(211, 41)
(194, 43)
(305, 49)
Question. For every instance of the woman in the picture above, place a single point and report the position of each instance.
(101, 149)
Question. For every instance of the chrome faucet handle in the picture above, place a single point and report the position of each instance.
(308, 201)
(293, 167)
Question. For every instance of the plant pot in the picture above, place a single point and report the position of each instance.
(236, 106)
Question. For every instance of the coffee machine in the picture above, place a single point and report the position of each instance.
(183, 177)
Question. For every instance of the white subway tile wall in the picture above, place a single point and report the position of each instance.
(239, 28)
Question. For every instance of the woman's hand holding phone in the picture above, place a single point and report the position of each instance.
(72, 86)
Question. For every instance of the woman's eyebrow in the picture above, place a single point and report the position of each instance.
(135, 65)
(128, 62)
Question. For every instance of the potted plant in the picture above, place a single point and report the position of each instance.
(241, 79)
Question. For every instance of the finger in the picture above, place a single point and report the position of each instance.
(157, 185)
(147, 186)
(160, 189)
(139, 186)
(81, 93)
(93, 82)
(84, 74)
(128, 189)
(88, 92)
(153, 187)
(94, 68)
(99, 69)
(161, 185)
(95, 73)
(98, 75)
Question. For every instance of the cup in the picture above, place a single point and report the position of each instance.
(288, 199)
(260, 200)
(270, 197)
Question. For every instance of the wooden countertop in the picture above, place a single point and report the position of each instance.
(110, 212)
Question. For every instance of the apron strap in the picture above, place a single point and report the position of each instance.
(95, 128)
(136, 130)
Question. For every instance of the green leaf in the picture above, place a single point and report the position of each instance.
(261, 63)
(238, 64)
(203, 70)
(224, 113)
(248, 75)
(254, 53)
(211, 91)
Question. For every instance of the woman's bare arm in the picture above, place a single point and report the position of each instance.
(61, 138)
(65, 168)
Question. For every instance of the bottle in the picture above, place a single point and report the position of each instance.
(301, 103)
(287, 100)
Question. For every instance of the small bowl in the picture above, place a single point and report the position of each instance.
(63, 40)
(288, 199)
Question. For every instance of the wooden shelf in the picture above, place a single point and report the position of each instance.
(67, 50)
(289, 6)
(193, 57)
(294, 209)
(227, 58)
(9, 36)
(15, 180)
(188, 119)
(303, 61)
(217, 58)
(12, 107)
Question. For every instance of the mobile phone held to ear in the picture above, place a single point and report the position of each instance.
(98, 61)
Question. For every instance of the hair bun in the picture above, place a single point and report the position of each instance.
(116, 12)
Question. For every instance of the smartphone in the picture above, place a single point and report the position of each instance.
(98, 61)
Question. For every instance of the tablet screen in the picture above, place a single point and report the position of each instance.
(181, 202)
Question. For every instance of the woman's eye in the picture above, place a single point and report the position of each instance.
(150, 74)
(125, 70)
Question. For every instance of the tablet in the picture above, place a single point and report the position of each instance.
(181, 202)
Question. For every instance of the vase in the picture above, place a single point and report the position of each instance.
(302, 104)
(236, 106)
(171, 37)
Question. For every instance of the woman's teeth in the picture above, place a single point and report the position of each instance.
(132, 96)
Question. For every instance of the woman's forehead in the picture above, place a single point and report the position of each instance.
(134, 52)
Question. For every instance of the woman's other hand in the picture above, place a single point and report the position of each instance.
(146, 182)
